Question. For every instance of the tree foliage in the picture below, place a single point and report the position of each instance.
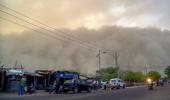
(108, 73)
(133, 76)
(154, 75)
(167, 71)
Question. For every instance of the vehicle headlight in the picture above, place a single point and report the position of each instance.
(149, 80)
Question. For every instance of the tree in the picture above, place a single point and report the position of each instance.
(139, 76)
(128, 76)
(167, 71)
(108, 73)
(154, 75)
(133, 76)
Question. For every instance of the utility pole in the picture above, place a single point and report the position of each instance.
(146, 69)
(99, 64)
(99, 56)
(16, 62)
(115, 58)
(129, 69)
(116, 55)
(22, 67)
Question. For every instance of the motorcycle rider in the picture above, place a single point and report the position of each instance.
(150, 84)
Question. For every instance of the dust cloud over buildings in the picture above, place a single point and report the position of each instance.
(136, 46)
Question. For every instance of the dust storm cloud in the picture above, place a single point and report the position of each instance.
(136, 46)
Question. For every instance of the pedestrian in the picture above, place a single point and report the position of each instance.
(74, 85)
(57, 87)
(32, 90)
(21, 86)
(104, 86)
(94, 85)
(97, 85)
(53, 88)
(61, 89)
(107, 86)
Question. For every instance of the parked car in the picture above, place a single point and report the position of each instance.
(116, 83)
(82, 85)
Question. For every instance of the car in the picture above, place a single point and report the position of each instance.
(82, 85)
(116, 83)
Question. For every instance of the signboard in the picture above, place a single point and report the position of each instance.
(62, 74)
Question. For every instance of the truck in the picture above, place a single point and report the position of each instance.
(116, 83)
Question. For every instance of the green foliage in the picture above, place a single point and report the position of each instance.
(139, 76)
(133, 76)
(154, 75)
(167, 71)
(128, 76)
(108, 73)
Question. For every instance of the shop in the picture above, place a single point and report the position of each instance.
(45, 79)
(12, 78)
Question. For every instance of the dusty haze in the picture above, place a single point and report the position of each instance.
(136, 46)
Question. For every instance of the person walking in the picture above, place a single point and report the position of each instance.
(53, 87)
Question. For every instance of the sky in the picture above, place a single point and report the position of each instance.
(137, 29)
(92, 14)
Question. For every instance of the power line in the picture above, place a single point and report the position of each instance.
(57, 34)
(43, 28)
(65, 36)
(54, 37)
(41, 23)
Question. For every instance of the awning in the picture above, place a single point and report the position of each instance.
(14, 72)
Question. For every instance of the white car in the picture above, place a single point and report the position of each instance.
(116, 83)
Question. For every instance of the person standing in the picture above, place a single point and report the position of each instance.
(94, 85)
(58, 84)
(107, 86)
(74, 85)
(21, 86)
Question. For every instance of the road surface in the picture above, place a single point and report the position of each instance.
(135, 93)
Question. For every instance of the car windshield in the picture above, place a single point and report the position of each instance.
(68, 81)
(113, 81)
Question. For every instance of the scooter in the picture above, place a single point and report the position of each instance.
(150, 84)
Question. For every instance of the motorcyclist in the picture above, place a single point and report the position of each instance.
(150, 84)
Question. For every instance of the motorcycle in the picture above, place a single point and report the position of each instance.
(150, 84)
